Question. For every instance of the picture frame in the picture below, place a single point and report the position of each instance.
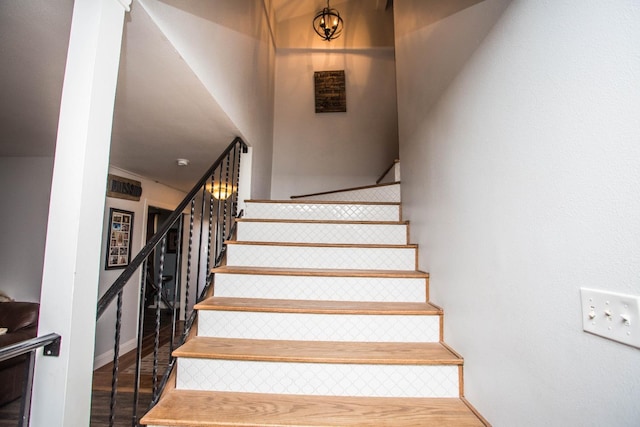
(119, 233)
(330, 91)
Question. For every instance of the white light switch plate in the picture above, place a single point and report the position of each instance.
(611, 315)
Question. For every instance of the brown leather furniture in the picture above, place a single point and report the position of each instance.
(21, 320)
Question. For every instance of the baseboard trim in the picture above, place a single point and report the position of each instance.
(107, 357)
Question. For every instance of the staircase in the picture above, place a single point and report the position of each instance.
(320, 317)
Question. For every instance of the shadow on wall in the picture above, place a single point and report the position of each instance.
(431, 11)
(444, 49)
(244, 16)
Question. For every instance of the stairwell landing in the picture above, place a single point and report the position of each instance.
(320, 317)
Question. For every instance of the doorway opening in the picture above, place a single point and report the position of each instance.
(162, 290)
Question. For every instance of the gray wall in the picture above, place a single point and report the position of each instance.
(153, 194)
(519, 134)
(327, 151)
(25, 186)
(229, 47)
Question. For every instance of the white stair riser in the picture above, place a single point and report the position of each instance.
(372, 289)
(391, 234)
(352, 258)
(319, 327)
(318, 378)
(322, 211)
(382, 194)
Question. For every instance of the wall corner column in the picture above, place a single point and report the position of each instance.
(62, 385)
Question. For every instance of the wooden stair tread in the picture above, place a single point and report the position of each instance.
(344, 190)
(322, 245)
(372, 353)
(317, 307)
(217, 409)
(321, 272)
(321, 202)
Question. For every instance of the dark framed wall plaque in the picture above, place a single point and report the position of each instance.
(123, 188)
(330, 91)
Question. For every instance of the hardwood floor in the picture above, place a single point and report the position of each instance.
(101, 395)
(102, 376)
(124, 408)
(10, 413)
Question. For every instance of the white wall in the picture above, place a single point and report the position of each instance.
(326, 151)
(521, 179)
(230, 48)
(25, 187)
(153, 194)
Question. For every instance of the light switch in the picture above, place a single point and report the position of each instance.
(611, 315)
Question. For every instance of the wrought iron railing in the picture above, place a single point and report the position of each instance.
(51, 344)
(202, 221)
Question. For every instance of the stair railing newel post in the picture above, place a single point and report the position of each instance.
(236, 183)
(197, 194)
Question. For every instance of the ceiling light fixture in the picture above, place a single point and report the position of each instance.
(328, 24)
(182, 162)
(222, 191)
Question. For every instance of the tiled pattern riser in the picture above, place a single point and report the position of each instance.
(391, 234)
(355, 258)
(371, 289)
(319, 327)
(318, 378)
(322, 211)
(381, 194)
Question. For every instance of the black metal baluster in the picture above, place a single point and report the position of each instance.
(224, 211)
(141, 316)
(189, 252)
(204, 192)
(231, 200)
(219, 240)
(116, 356)
(156, 341)
(211, 198)
(177, 285)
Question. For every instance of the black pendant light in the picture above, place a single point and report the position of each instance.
(328, 24)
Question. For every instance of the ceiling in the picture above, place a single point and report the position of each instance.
(34, 37)
(288, 9)
(162, 110)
